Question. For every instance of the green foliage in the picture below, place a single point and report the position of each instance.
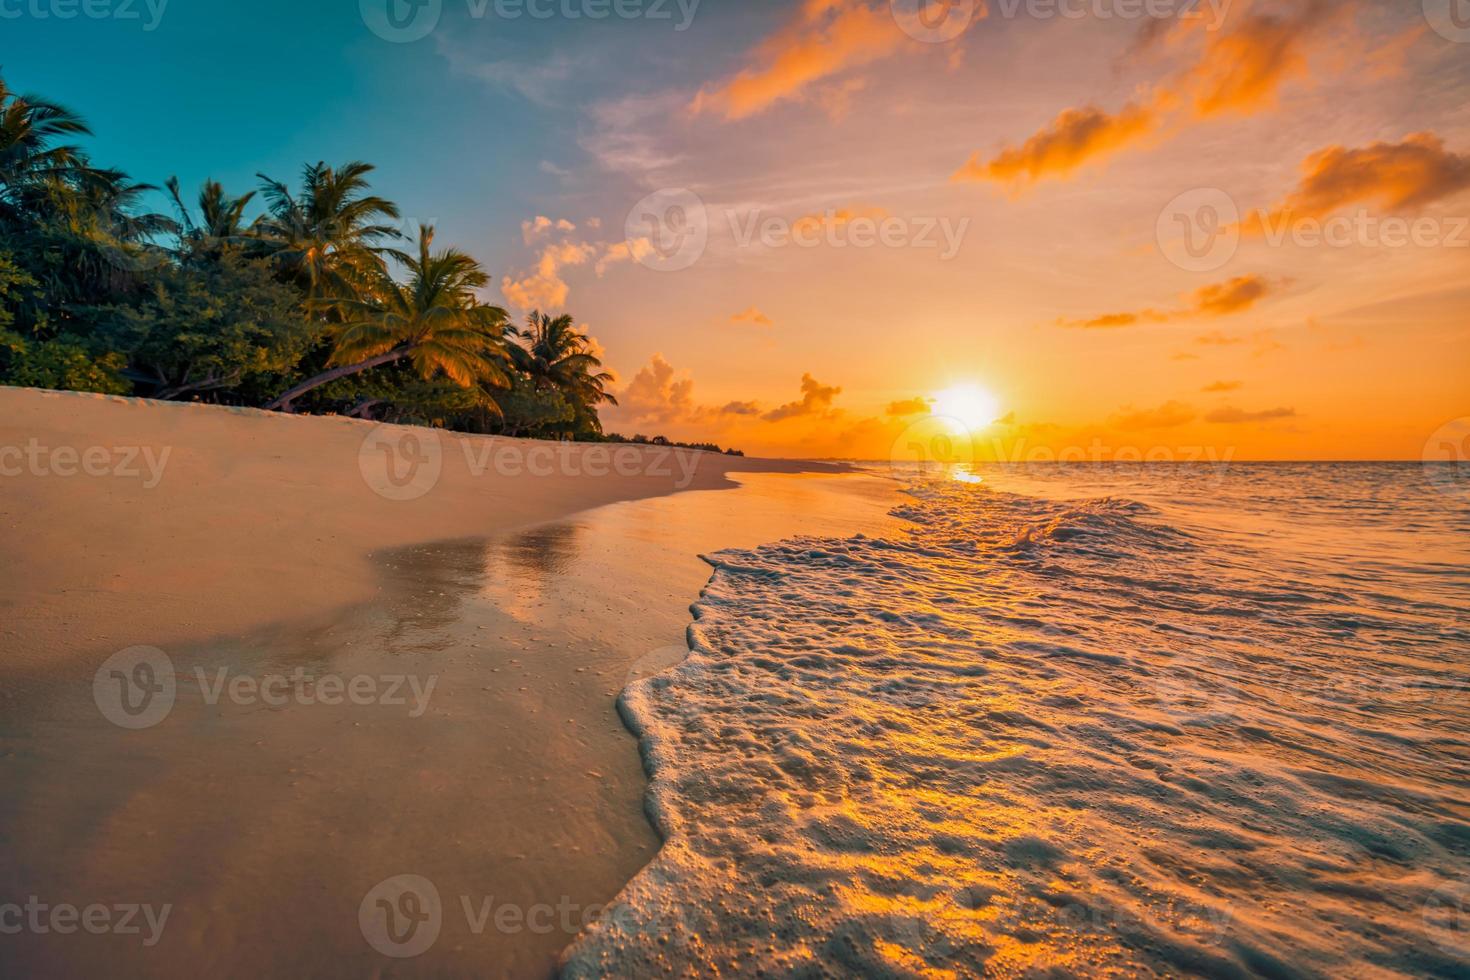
(530, 410)
(64, 363)
(295, 308)
(209, 326)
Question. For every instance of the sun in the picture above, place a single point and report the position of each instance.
(969, 406)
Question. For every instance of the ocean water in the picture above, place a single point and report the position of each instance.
(1078, 720)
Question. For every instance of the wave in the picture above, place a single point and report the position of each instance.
(1056, 737)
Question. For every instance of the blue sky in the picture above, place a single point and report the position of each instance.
(834, 114)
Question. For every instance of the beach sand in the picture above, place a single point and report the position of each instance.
(490, 623)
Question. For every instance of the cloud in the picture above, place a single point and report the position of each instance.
(833, 218)
(825, 38)
(1169, 415)
(656, 395)
(1233, 296)
(1236, 416)
(816, 399)
(631, 250)
(1220, 299)
(1217, 339)
(1073, 138)
(540, 225)
(1238, 68)
(1219, 387)
(1404, 176)
(740, 408)
(1242, 70)
(544, 288)
(911, 406)
(752, 316)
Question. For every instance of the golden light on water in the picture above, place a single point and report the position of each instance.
(967, 407)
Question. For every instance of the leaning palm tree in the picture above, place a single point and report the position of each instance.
(221, 223)
(435, 322)
(326, 238)
(30, 149)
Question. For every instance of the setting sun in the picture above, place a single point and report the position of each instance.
(971, 406)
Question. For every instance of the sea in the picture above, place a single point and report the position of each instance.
(1072, 720)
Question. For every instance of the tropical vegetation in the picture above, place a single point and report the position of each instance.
(294, 297)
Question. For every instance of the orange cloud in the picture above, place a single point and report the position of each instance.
(1243, 69)
(1167, 416)
(1233, 296)
(824, 39)
(1395, 176)
(1221, 299)
(544, 288)
(1239, 69)
(816, 399)
(809, 224)
(911, 406)
(1236, 416)
(1220, 387)
(752, 316)
(1072, 139)
(656, 395)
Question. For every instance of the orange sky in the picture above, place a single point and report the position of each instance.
(1240, 235)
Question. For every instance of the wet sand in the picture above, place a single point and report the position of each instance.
(504, 777)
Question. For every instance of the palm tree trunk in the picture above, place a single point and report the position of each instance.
(283, 403)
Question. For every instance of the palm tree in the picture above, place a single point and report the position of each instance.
(558, 357)
(30, 153)
(326, 238)
(435, 322)
(221, 222)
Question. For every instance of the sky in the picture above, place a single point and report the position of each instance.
(1033, 229)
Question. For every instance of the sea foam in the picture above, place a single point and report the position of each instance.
(1043, 737)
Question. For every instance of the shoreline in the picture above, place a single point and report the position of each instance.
(487, 756)
(186, 520)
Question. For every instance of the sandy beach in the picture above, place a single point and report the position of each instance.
(490, 624)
